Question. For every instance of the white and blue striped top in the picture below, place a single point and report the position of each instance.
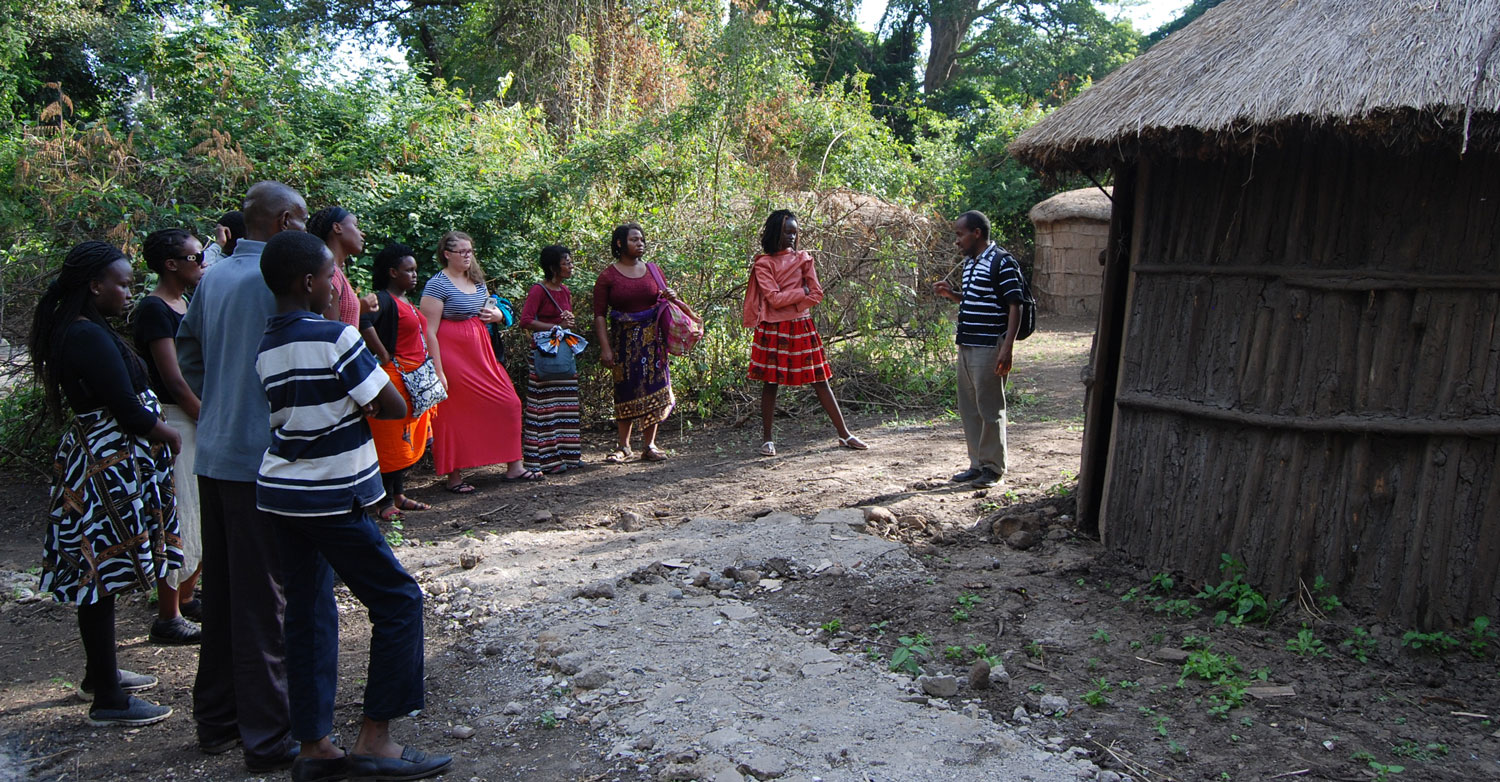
(318, 375)
(457, 305)
(991, 282)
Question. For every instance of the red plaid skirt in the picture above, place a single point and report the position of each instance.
(789, 353)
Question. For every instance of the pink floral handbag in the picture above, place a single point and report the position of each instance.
(682, 326)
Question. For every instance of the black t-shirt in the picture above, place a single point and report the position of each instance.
(154, 320)
(98, 370)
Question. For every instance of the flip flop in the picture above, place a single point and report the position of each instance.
(526, 475)
(408, 503)
(461, 488)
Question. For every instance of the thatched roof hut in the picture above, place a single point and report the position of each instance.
(1298, 355)
(1072, 230)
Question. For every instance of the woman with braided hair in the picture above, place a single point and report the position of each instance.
(339, 229)
(113, 521)
(177, 258)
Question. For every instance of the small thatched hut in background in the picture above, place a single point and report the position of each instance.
(1072, 229)
(1298, 355)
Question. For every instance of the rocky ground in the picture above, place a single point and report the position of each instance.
(825, 615)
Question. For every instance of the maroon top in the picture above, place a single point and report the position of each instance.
(539, 307)
(615, 291)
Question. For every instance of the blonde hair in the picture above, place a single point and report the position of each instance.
(476, 272)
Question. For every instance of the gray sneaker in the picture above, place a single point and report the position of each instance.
(129, 682)
(136, 712)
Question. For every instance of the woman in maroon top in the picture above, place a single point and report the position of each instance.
(549, 432)
(626, 296)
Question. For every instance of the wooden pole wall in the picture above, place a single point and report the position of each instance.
(1310, 379)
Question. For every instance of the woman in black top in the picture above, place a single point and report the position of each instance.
(177, 258)
(113, 524)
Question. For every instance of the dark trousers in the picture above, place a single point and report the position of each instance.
(350, 544)
(241, 684)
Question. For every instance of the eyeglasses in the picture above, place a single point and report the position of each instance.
(469, 251)
(190, 258)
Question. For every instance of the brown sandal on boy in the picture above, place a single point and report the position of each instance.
(653, 454)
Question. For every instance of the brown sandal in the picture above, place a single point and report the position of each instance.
(619, 456)
(653, 454)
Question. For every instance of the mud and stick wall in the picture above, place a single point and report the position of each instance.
(1310, 378)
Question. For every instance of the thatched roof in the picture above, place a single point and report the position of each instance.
(1089, 203)
(1393, 70)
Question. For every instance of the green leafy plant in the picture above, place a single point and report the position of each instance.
(1480, 636)
(1161, 582)
(1240, 602)
(1327, 601)
(879, 627)
(547, 720)
(909, 653)
(831, 626)
(1384, 771)
(953, 652)
(1422, 753)
(1194, 642)
(1185, 609)
(1101, 636)
(1096, 697)
(1307, 644)
(1434, 643)
(1359, 644)
(395, 538)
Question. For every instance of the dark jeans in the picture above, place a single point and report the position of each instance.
(241, 684)
(313, 549)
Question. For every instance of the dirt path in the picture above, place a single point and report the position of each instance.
(737, 629)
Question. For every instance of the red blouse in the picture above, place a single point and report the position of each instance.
(411, 324)
(615, 291)
(539, 307)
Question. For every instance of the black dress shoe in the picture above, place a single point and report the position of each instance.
(320, 769)
(965, 476)
(987, 478)
(260, 765)
(413, 764)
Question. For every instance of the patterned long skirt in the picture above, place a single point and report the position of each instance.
(789, 353)
(549, 431)
(114, 516)
(643, 383)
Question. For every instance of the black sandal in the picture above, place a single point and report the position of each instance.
(462, 487)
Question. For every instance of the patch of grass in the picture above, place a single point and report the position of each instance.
(395, 538)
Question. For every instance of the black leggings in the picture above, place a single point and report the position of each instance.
(395, 484)
(96, 628)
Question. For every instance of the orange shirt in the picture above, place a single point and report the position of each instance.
(774, 293)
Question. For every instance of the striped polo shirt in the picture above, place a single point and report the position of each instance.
(991, 282)
(318, 375)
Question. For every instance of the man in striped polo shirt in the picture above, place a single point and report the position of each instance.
(989, 313)
(316, 479)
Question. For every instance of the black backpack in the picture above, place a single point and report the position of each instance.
(1028, 302)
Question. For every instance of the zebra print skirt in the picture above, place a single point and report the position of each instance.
(113, 516)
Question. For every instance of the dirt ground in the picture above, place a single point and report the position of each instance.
(1060, 615)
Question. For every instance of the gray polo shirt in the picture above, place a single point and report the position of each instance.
(216, 347)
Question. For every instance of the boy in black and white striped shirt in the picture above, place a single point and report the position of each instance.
(989, 314)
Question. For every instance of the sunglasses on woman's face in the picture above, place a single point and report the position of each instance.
(190, 258)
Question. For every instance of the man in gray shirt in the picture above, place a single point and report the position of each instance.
(240, 693)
